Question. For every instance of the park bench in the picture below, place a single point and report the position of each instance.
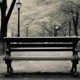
(16, 44)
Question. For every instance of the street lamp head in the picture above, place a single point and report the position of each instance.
(56, 27)
(34, 34)
(19, 4)
(27, 25)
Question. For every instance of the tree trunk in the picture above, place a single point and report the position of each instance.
(69, 28)
(75, 23)
(10, 11)
(75, 31)
(3, 17)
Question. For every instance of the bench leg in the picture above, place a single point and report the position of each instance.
(74, 69)
(8, 63)
(9, 68)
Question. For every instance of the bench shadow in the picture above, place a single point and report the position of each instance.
(42, 75)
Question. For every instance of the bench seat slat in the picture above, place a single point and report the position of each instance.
(40, 49)
(40, 58)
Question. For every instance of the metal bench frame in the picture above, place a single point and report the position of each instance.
(42, 44)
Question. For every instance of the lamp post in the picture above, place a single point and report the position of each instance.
(18, 4)
(69, 28)
(55, 30)
(27, 29)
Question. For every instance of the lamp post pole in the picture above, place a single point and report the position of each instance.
(18, 4)
(18, 22)
(27, 30)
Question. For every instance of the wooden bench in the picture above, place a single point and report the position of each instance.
(15, 44)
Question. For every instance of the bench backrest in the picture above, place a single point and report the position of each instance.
(41, 44)
(41, 39)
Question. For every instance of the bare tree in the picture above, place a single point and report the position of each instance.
(71, 9)
(46, 28)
